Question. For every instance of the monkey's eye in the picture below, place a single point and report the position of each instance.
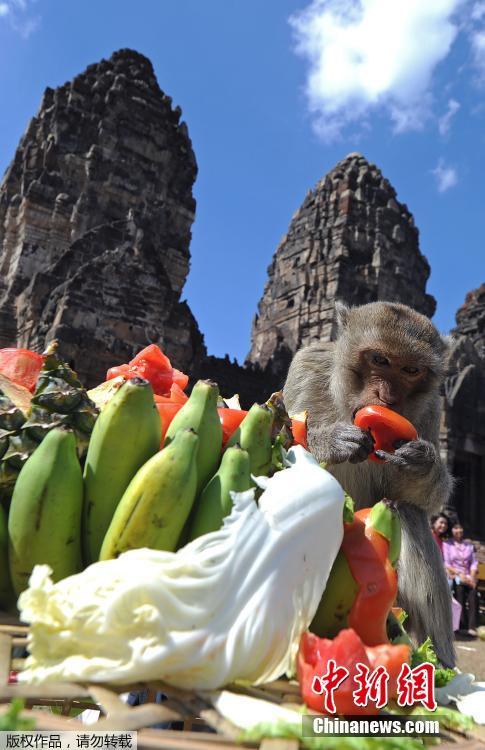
(411, 370)
(378, 359)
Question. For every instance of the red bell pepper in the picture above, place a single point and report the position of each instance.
(368, 554)
(362, 585)
(298, 429)
(386, 426)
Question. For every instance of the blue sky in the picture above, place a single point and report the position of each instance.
(274, 94)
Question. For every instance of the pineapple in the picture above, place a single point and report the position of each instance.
(59, 399)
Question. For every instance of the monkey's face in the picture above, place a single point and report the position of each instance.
(399, 382)
(389, 380)
(390, 355)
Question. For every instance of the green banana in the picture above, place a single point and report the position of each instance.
(200, 414)
(254, 436)
(45, 513)
(336, 602)
(215, 503)
(7, 597)
(126, 434)
(158, 500)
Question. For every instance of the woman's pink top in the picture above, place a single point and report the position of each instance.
(460, 555)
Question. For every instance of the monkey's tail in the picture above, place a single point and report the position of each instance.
(423, 587)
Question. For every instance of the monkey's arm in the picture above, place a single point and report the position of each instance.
(308, 388)
(421, 476)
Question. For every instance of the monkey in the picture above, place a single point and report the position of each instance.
(388, 354)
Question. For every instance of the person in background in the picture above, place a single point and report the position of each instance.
(439, 529)
(462, 566)
(440, 526)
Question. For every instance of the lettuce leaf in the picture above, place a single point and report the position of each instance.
(426, 653)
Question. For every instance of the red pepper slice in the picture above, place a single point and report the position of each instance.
(386, 427)
(298, 428)
(367, 552)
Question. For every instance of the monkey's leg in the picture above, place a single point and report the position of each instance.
(423, 588)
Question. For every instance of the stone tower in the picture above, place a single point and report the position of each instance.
(96, 211)
(351, 240)
(463, 426)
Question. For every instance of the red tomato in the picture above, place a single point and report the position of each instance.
(153, 365)
(298, 428)
(22, 366)
(347, 650)
(230, 421)
(152, 354)
(177, 396)
(386, 427)
(392, 658)
(167, 412)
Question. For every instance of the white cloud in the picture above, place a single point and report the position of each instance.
(444, 123)
(477, 40)
(19, 16)
(446, 177)
(367, 55)
(478, 11)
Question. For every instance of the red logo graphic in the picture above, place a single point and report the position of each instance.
(413, 685)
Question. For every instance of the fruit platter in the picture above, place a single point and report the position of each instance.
(171, 561)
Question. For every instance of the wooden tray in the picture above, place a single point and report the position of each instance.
(214, 732)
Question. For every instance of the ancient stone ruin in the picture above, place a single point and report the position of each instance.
(351, 240)
(463, 428)
(96, 210)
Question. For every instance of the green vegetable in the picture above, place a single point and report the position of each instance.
(11, 720)
(448, 718)
(425, 652)
(290, 731)
(349, 508)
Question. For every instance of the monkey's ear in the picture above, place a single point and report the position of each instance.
(342, 315)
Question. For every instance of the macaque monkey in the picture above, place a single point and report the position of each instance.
(385, 354)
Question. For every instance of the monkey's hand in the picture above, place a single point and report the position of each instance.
(345, 442)
(416, 457)
(431, 483)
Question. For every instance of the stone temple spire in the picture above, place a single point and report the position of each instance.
(351, 240)
(96, 211)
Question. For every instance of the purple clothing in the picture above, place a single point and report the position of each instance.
(460, 555)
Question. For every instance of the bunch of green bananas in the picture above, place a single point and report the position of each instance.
(131, 494)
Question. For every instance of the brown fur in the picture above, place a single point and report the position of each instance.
(330, 381)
